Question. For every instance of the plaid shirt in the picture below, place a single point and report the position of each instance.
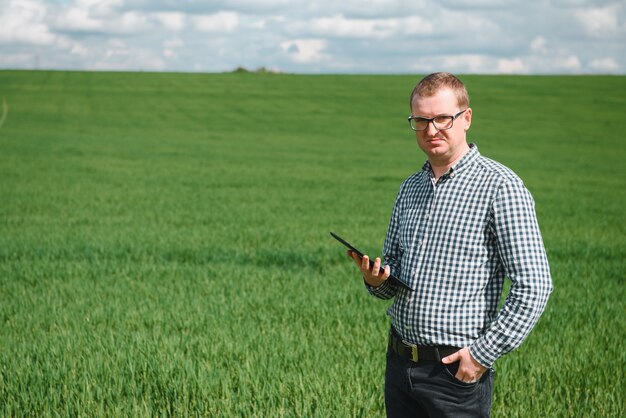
(453, 241)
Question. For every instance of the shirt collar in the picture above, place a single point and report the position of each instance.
(467, 160)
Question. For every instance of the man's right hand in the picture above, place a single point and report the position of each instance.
(374, 277)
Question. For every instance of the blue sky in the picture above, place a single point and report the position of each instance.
(307, 36)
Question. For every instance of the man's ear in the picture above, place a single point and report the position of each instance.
(467, 118)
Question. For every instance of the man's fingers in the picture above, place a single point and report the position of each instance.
(386, 272)
(365, 263)
(469, 370)
(451, 358)
(357, 259)
(376, 268)
(352, 256)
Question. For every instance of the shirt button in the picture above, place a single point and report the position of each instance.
(452, 175)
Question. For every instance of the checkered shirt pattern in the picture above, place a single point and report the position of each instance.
(453, 241)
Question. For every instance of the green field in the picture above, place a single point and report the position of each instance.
(164, 245)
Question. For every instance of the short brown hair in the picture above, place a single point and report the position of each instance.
(433, 83)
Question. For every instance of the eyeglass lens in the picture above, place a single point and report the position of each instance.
(440, 122)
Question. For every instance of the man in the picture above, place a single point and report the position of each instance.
(458, 227)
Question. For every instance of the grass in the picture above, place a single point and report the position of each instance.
(164, 244)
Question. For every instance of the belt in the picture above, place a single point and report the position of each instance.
(417, 353)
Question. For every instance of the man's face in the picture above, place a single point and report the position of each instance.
(442, 147)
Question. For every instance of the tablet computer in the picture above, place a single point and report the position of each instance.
(360, 254)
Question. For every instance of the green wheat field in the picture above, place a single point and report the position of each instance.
(165, 247)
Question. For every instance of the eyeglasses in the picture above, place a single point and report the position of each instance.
(441, 122)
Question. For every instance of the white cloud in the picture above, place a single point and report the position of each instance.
(471, 63)
(18, 60)
(112, 54)
(339, 26)
(24, 21)
(601, 22)
(78, 19)
(462, 63)
(133, 22)
(511, 66)
(99, 8)
(359, 9)
(79, 49)
(539, 45)
(173, 43)
(604, 64)
(400, 36)
(173, 21)
(171, 47)
(97, 19)
(478, 3)
(305, 50)
(571, 63)
(219, 22)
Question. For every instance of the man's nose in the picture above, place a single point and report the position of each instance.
(431, 128)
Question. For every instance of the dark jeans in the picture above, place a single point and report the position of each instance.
(429, 389)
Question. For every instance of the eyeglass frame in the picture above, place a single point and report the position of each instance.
(429, 120)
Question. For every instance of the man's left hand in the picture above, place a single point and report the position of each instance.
(469, 369)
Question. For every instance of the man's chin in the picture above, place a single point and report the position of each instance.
(435, 147)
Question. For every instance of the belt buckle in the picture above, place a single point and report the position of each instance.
(414, 351)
